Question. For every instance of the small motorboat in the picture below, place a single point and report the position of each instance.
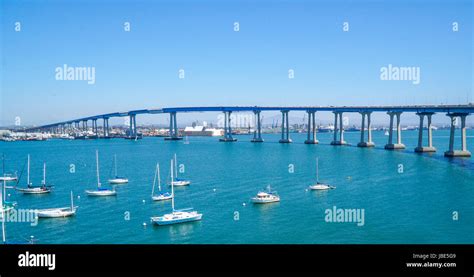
(264, 197)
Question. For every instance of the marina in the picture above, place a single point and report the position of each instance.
(369, 178)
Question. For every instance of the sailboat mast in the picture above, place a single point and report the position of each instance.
(97, 163)
(28, 175)
(44, 173)
(175, 165)
(72, 202)
(172, 187)
(317, 169)
(154, 181)
(158, 173)
(115, 163)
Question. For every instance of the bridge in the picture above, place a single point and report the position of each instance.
(394, 113)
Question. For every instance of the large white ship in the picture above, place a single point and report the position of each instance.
(203, 131)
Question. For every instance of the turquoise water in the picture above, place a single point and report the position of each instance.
(415, 206)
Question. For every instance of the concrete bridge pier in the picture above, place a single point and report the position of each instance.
(285, 128)
(463, 152)
(227, 129)
(257, 134)
(311, 139)
(390, 145)
(106, 127)
(95, 130)
(420, 148)
(369, 142)
(132, 131)
(339, 129)
(84, 125)
(174, 132)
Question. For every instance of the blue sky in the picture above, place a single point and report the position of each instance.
(139, 69)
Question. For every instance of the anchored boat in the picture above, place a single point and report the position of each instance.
(162, 195)
(117, 180)
(176, 216)
(30, 189)
(179, 182)
(100, 191)
(58, 212)
(319, 185)
(264, 197)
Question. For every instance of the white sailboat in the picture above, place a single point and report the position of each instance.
(319, 185)
(163, 195)
(179, 182)
(264, 197)
(58, 212)
(100, 191)
(117, 179)
(30, 189)
(176, 216)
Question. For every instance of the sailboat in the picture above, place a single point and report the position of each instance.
(319, 185)
(30, 189)
(176, 216)
(58, 212)
(162, 196)
(5, 176)
(100, 191)
(117, 179)
(179, 182)
(264, 197)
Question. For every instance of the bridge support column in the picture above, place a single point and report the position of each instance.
(173, 132)
(369, 142)
(106, 127)
(84, 125)
(339, 129)
(311, 139)
(257, 134)
(227, 129)
(95, 130)
(420, 148)
(285, 128)
(463, 152)
(390, 145)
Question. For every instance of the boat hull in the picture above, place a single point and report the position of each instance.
(264, 201)
(54, 213)
(181, 183)
(118, 181)
(161, 197)
(321, 187)
(101, 192)
(34, 190)
(162, 220)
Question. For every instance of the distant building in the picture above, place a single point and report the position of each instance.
(203, 131)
